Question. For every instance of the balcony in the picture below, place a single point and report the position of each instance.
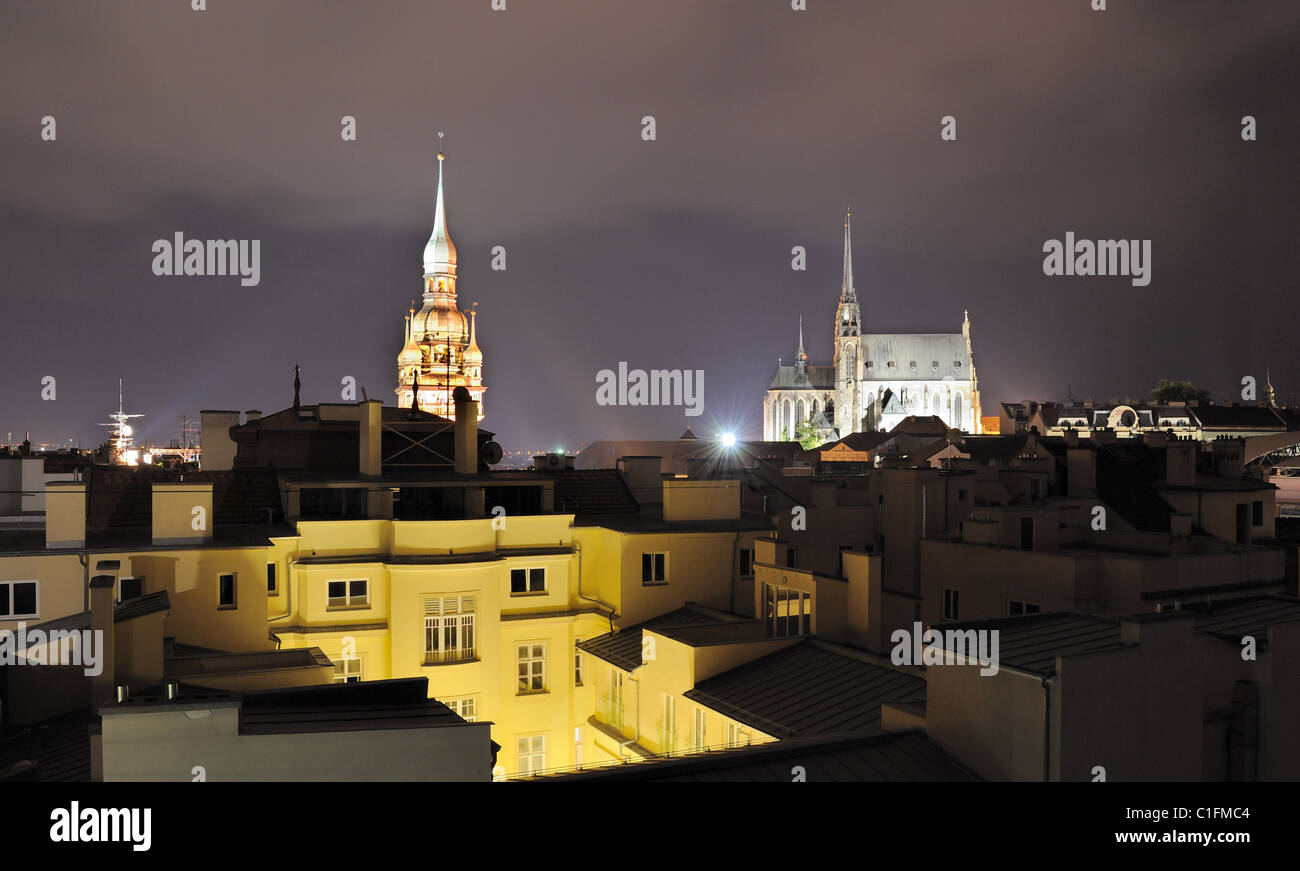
(450, 657)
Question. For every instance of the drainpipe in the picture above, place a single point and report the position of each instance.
(84, 559)
(735, 570)
(288, 593)
(577, 547)
(1047, 728)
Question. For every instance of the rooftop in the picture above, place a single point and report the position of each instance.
(810, 687)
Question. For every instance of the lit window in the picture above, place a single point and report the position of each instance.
(531, 750)
(577, 667)
(699, 730)
(449, 629)
(347, 670)
(531, 665)
(786, 612)
(466, 708)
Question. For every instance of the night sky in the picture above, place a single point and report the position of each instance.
(225, 124)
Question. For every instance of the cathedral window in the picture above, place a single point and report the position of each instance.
(871, 364)
(956, 364)
(934, 364)
(891, 364)
(911, 365)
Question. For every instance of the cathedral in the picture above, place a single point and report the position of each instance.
(440, 352)
(875, 380)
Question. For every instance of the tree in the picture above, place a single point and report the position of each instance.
(1178, 391)
(806, 436)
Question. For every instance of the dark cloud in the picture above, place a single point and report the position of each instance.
(667, 254)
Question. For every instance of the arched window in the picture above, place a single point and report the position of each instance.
(814, 409)
(957, 411)
(798, 414)
(936, 403)
(786, 423)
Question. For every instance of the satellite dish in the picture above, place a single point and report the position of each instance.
(490, 453)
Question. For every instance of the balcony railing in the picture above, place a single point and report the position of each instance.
(442, 657)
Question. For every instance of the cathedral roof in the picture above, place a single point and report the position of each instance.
(819, 378)
(933, 353)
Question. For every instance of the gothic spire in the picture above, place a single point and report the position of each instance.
(847, 293)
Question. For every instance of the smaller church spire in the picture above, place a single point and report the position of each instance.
(802, 355)
(297, 388)
(440, 251)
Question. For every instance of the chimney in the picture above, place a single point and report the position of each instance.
(218, 446)
(370, 436)
(643, 477)
(65, 514)
(1180, 463)
(252, 414)
(466, 432)
(102, 625)
(1227, 457)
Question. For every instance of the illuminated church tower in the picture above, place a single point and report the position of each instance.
(440, 352)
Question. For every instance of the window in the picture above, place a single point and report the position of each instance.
(747, 562)
(789, 557)
(331, 503)
(1035, 489)
(734, 736)
(890, 364)
(961, 495)
(786, 612)
(911, 365)
(527, 581)
(271, 589)
(17, 599)
(1015, 608)
(449, 629)
(531, 659)
(349, 594)
(699, 730)
(466, 708)
(654, 568)
(871, 364)
(956, 364)
(668, 725)
(1257, 513)
(347, 669)
(577, 667)
(934, 364)
(226, 591)
(130, 588)
(949, 604)
(531, 750)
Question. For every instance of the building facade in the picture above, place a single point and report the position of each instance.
(875, 380)
(440, 351)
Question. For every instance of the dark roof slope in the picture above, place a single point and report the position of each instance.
(1032, 642)
(874, 757)
(141, 606)
(1233, 416)
(1233, 619)
(811, 687)
(57, 750)
(622, 647)
(385, 704)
